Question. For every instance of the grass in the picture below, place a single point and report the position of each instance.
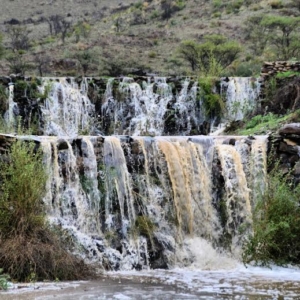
(262, 124)
(287, 74)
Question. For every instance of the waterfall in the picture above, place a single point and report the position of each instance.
(143, 197)
(135, 195)
(67, 110)
(152, 106)
(241, 94)
(12, 107)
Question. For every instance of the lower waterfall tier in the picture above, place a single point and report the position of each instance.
(136, 202)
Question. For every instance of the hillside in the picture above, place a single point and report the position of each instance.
(71, 37)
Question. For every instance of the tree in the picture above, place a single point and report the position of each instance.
(81, 29)
(189, 51)
(19, 37)
(283, 35)
(86, 59)
(280, 33)
(59, 25)
(216, 52)
(169, 7)
(42, 61)
(256, 33)
(18, 63)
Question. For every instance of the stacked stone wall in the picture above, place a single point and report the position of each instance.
(272, 68)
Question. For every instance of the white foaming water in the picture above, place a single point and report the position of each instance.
(12, 108)
(149, 106)
(67, 110)
(202, 256)
(240, 94)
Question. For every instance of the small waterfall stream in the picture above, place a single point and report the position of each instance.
(143, 193)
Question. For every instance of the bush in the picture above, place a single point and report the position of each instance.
(212, 101)
(29, 248)
(3, 280)
(276, 4)
(276, 225)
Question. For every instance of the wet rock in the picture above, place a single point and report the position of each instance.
(62, 144)
(296, 170)
(230, 141)
(283, 147)
(288, 129)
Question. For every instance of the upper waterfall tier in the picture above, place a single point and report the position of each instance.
(136, 107)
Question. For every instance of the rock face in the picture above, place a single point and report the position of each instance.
(290, 129)
(285, 148)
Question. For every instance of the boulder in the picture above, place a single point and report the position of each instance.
(290, 129)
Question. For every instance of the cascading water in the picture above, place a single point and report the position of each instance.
(241, 94)
(133, 202)
(12, 107)
(142, 201)
(67, 110)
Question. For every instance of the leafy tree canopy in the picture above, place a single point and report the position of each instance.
(215, 50)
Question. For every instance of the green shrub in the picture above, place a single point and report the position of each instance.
(260, 119)
(155, 14)
(152, 54)
(138, 5)
(212, 101)
(276, 225)
(29, 248)
(276, 4)
(3, 280)
(217, 14)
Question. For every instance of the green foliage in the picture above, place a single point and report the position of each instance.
(283, 35)
(276, 4)
(23, 185)
(82, 29)
(212, 101)
(3, 99)
(215, 54)
(17, 63)
(86, 59)
(144, 226)
(287, 74)
(261, 124)
(260, 119)
(244, 69)
(3, 280)
(138, 5)
(276, 225)
(29, 249)
(152, 54)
